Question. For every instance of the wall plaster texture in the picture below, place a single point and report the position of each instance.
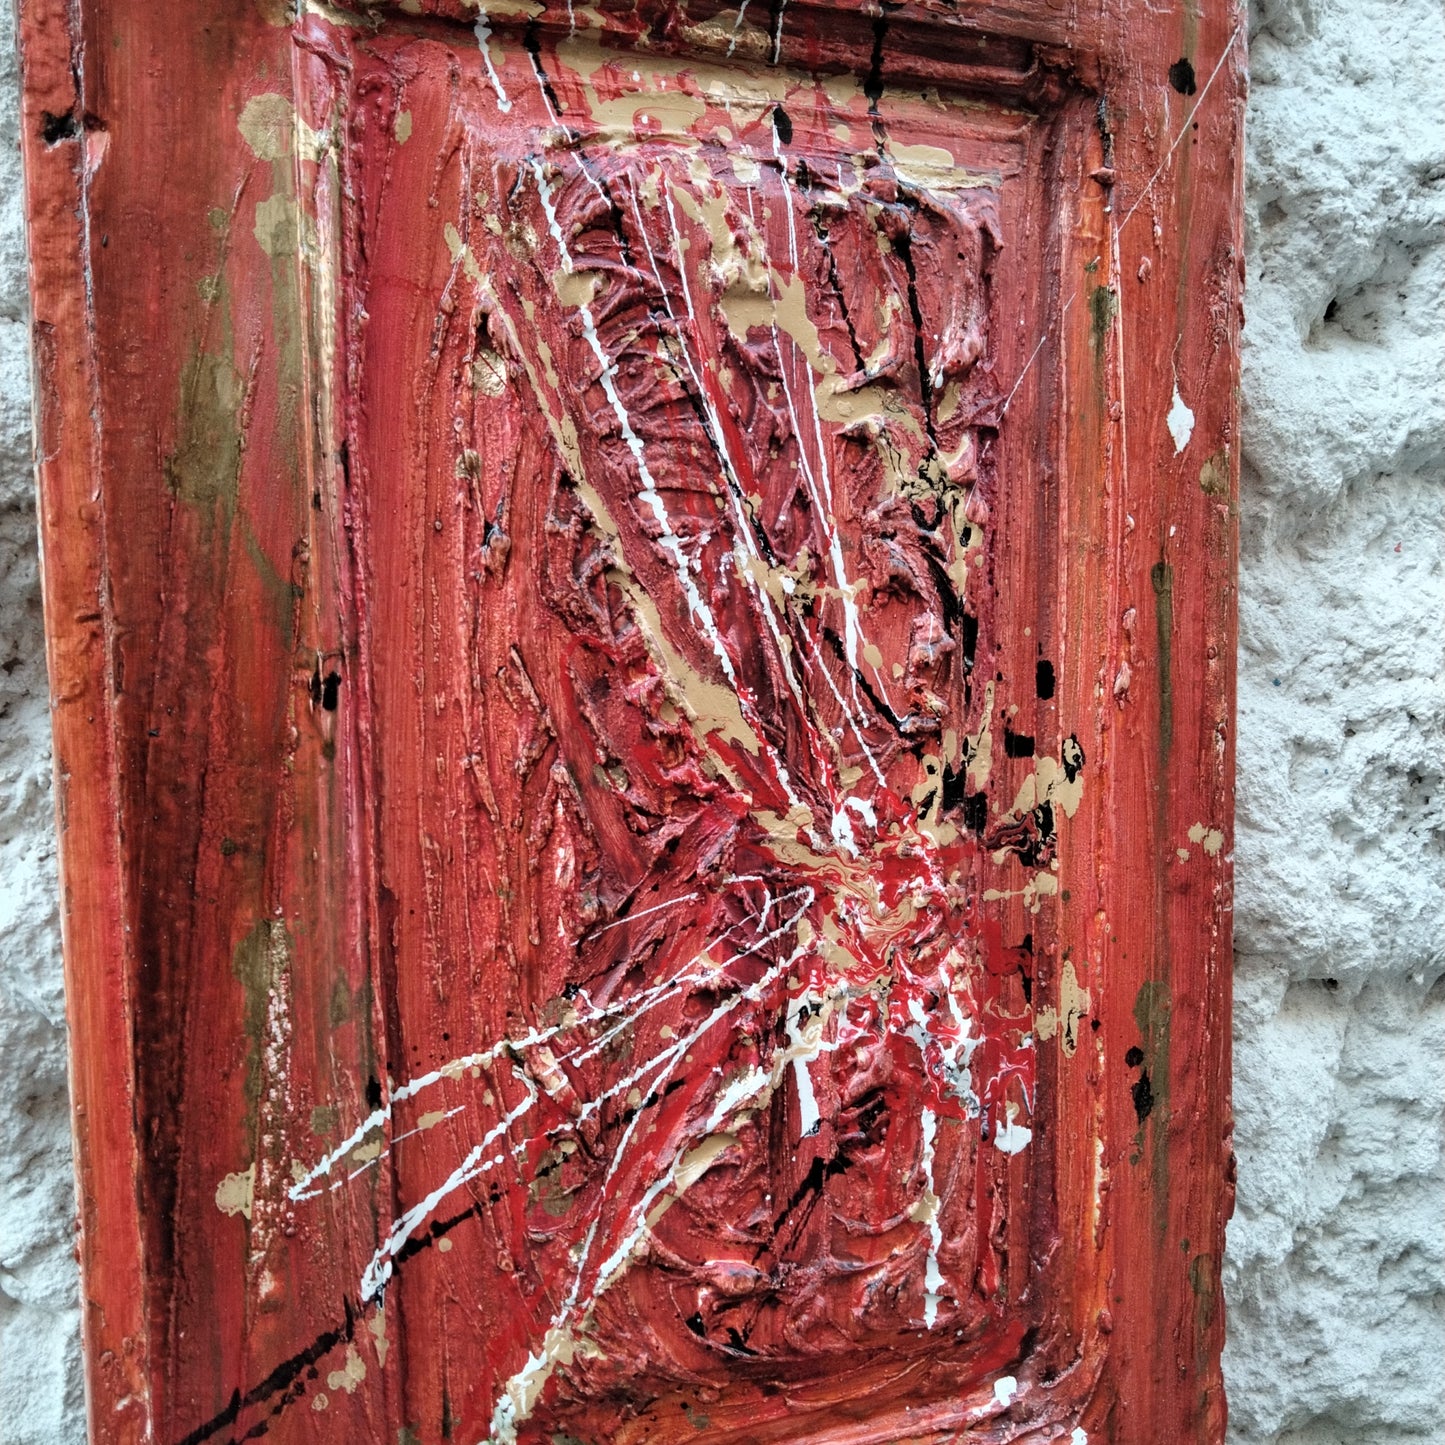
(1335, 1273)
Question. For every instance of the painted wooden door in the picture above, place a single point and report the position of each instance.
(640, 613)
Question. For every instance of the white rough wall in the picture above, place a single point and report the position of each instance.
(1333, 1274)
(1335, 1278)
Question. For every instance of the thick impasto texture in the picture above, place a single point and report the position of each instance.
(691, 903)
(753, 835)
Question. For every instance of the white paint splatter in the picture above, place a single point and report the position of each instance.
(1004, 1389)
(808, 1116)
(1010, 1137)
(669, 541)
(1180, 422)
(378, 1271)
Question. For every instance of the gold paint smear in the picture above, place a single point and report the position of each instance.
(1049, 783)
(575, 288)
(278, 225)
(934, 168)
(696, 1162)
(365, 1153)
(460, 251)
(674, 112)
(980, 746)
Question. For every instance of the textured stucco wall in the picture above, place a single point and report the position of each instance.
(1335, 1277)
(1334, 1269)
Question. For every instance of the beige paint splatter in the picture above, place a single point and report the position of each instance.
(1072, 1010)
(236, 1192)
(377, 1326)
(351, 1373)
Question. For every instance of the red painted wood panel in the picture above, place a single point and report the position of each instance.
(641, 624)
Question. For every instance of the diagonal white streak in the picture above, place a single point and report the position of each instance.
(649, 493)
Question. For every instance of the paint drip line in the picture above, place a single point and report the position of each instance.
(485, 1059)
(672, 1055)
(1034, 355)
(737, 27)
(778, 32)
(933, 1280)
(377, 1273)
(644, 912)
(483, 32)
(720, 448)
(765, 602)
(808, 1115)
(714, 428)
(542, 79)
(601, 1043)
(852, 627)
(374, 1161)
(669, 541)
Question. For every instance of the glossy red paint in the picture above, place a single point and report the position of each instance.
(641, 613)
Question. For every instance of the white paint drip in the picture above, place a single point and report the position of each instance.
(628, 1010)
(483, 33)
(1011, 1138)
(778, 31)
(808, 1117)
(542, 87)
(955, 1054)
(852, 630)
(743, 531)
(514, 1403)
(737, 26)
(932, 1276)
(643, 912)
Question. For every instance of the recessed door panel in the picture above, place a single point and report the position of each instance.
(732, 847)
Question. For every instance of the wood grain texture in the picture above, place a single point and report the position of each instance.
(641, 623)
